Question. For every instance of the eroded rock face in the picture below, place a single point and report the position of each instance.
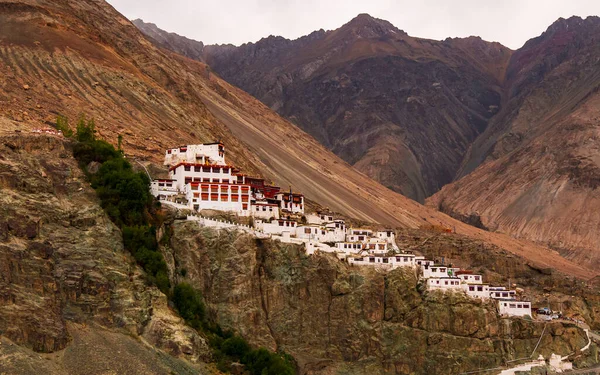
(62, 260)
(339, 319)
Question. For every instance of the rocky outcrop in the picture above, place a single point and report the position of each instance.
(334, 318)
(62, 262)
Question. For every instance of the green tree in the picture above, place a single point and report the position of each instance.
(236, 347)
(86, 130)
(62, 124)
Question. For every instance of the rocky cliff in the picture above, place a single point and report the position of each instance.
(337, 319)
(67, 286)
(403, 110)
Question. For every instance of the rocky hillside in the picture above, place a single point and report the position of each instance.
(337, 319)
(403, 110)
(72, 301)
(534, 173)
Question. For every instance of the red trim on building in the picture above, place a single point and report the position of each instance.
(198, 165)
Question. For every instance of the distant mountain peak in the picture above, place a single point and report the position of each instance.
(573, 22)
(366, 26)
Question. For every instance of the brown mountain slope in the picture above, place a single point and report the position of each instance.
(541, 165)
(402, 110)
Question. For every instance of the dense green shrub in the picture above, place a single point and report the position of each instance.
(236, 347)
(264, 362)
(124, 193)
(188, 302)
(226, 346)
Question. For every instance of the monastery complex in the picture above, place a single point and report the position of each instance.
(200, 179)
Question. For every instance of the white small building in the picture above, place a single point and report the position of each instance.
(438, 271)
(358, 235)
(336, 231)
(312, 246)
(319, 218)
(312, 232)
(512, 307)
(468, 277)
(349, 247)
(291, 202)
(478, 290)
(264, 210)
(423, 263)
(386, 235)
(375, 246)
(407, 259)
(210, 153)
(500, 292)
(277, 227)
(444, 283)
(163, 188)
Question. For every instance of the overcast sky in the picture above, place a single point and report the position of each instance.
(510, 22)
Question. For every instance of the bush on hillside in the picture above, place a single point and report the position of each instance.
(188, 302)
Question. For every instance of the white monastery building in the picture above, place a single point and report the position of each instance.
(199, 179)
